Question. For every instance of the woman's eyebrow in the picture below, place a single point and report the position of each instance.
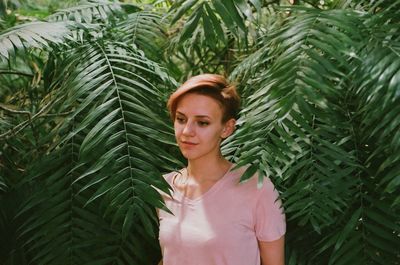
(202, 116)
(197, 116)
(180, 113)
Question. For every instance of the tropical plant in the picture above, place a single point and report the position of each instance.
(323, 115)
(85, 135)
(94, 116)
(210, 35)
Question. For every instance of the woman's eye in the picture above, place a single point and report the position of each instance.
(180, 120)
(203, 123)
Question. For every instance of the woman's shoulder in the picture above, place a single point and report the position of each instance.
(168, 177)
(171, 175)
(254, 182)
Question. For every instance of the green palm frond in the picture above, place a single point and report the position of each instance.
(293, 257)
(322, 110)
(53, 200)
(145, 29)
(34, 34)
(61, 228)
(211, 36)
(378, 92)
(88, 12)
(367, 234)
(369, 5)
(3, 185)
(10, 244)
(104, 171)
(248, 72)
(231, 14)
(290, 117)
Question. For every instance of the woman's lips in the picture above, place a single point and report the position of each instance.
(188, 143)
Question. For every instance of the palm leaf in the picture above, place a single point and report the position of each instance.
(208, 36)
(232, 14)
(374, 6)
(378, 92)
(88, 12)
(3, 185)
(313, 118)
(367, 234)
(289, 123)
(205, 33)
(116, 153)
(59, 220)
(12, 252)
(145, 29)
(34, 34)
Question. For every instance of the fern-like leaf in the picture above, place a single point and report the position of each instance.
(34, 34)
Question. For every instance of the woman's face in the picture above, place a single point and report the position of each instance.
(198, 126)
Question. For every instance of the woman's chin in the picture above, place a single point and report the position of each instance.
(189, 155)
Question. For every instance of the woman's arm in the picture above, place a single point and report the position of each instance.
(272, 253)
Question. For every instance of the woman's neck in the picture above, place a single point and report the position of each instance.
(208, 170)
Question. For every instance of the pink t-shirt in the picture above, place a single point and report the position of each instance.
(223, 225)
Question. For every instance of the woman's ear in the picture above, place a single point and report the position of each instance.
(229, 128)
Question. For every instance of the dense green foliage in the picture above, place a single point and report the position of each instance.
(85, 136)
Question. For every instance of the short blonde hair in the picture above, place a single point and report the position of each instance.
(212, 85)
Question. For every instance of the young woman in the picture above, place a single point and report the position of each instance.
(215, 219)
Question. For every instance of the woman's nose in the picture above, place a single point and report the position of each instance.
(188, 129)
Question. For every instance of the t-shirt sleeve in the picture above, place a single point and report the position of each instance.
(269, 216)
